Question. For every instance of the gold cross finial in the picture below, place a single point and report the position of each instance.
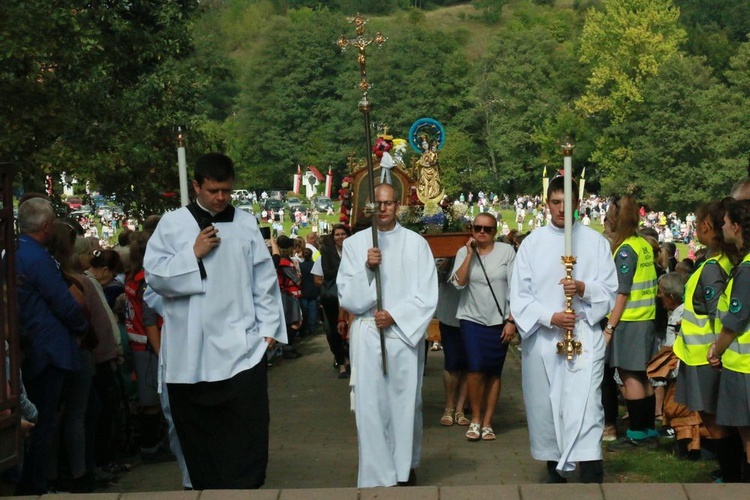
(361, 42)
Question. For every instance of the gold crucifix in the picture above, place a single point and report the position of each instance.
(361, 42)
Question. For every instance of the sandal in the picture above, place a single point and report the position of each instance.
(488, 434)
(473, 434)
(447, 418)
(461, 418)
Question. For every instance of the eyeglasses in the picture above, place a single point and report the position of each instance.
(486, 229)
(388, 203)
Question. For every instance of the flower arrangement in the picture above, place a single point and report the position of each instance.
(433, 218)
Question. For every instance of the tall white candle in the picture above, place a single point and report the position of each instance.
(568, 185)
(182, 169)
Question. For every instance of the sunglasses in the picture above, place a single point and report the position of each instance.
(486, 229)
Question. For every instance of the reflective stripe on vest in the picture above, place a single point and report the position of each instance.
(641, 304)
(697, 333)
(737, 355)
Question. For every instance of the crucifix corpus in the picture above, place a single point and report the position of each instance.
(365, 106)
(568, 346)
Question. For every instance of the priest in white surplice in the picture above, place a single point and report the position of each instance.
(388, 409)
(563, 398)
(222, 310)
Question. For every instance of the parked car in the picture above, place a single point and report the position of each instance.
(273, 204)
(74, 203)
(294, 204)
(277, 194)
(246, 207)
(240, 195)
(323, 203)
(77, 214)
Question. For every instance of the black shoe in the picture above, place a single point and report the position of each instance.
(412, 481)
(343, 374)
(667, 432)
(626, 443)
(553, 477)
(289, 352)
(83, 484)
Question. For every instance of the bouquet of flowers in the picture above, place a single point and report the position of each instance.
(433, 218)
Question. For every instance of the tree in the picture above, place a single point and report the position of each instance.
(676, 147)
(625, 44)
(97, 90)
(527, 76)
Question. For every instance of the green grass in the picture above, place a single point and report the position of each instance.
(508, 215)
(655, 466)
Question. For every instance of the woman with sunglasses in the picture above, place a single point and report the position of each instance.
(731, 350)
(481, 272)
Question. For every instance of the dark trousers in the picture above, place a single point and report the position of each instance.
(223, 429)
(104, 404)
(335, 342)
(610, 393)
(44, 391)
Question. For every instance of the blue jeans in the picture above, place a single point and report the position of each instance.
(309, 313)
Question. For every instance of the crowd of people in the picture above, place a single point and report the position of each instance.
(81, 409)
(140, 346)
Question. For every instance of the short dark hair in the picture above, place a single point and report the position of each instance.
(123, 239)
(216, 166)
(107, 258)
(558, 184)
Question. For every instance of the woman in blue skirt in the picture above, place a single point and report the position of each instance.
(481, 272)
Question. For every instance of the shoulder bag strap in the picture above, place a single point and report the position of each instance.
(481, 264)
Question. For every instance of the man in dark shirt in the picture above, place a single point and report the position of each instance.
(49, 321)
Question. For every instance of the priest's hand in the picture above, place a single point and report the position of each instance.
(564, 320)
(383, 319)
(205, 242)
(374, 258)
(572, 287)
(270, 341)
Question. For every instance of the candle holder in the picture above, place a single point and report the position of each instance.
(569, 346)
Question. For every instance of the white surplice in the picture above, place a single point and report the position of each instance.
(563, 398)
(214, 328)
(388, 409)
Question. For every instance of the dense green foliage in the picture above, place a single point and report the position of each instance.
(654, 92)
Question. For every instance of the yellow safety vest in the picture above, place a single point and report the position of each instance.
(737, 355)
(697, 331)
(641, 304)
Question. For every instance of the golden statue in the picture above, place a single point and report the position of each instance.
(429, 187)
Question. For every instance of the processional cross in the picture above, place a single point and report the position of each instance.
(361, 42)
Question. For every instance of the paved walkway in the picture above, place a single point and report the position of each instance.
(313, 438)
(313, 450)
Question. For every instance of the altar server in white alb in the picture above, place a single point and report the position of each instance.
(563, 398)
(388, 408)
(222, 309)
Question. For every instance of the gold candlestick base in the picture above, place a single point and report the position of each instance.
(569, 346)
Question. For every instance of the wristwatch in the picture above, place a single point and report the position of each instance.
(609, 328)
